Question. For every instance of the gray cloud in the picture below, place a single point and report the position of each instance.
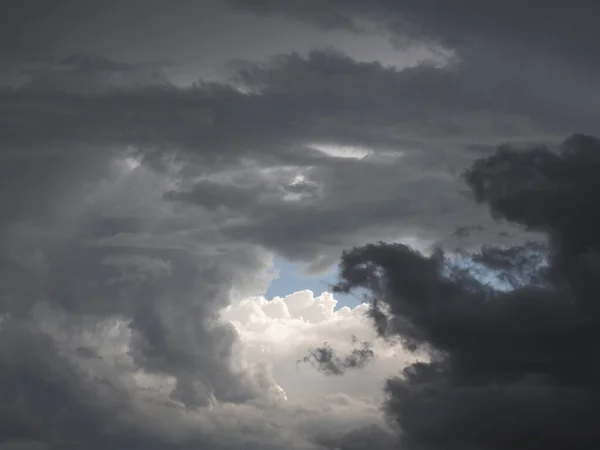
(564, 31)
(505, 367)
(134, 210)
(79, 73)
(512, 57)
(84, 242)
(327, 360)
(332, 100)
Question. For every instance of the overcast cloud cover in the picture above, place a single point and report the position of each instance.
(156, 158)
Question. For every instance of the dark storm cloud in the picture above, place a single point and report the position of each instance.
(67, 277)
(76, 208)
(442, 99)
(49, 399)
(124, 232)
(81, 240)
(213, 195)
(88, 239)
(513, 54)
(296, 102)
(94, 75)
(563, 30)
(171, 295)
(506, 369)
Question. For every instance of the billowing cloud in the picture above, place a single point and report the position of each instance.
(112, 333)
(281, 332)
(506, 367)
(139, 218)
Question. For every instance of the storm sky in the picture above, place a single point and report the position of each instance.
(299, 224)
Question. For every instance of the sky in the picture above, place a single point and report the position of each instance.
(299, 224)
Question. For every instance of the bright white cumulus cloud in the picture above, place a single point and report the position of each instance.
(278, 333)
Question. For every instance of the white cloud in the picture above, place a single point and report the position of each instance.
(280, 331)
(342, 151)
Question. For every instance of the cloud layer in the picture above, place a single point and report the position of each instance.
(140, 216)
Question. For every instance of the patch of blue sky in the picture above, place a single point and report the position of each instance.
(292, 279)
(496, 279)
(478, 271)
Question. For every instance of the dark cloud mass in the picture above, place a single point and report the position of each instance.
(513, 58)
(135, 207)
(516, 369)
(562, 30)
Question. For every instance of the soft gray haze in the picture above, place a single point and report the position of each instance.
(158, 156)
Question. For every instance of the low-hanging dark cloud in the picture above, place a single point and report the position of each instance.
(84, 108)
(561, 31)
(505, 369)
(509, 54)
